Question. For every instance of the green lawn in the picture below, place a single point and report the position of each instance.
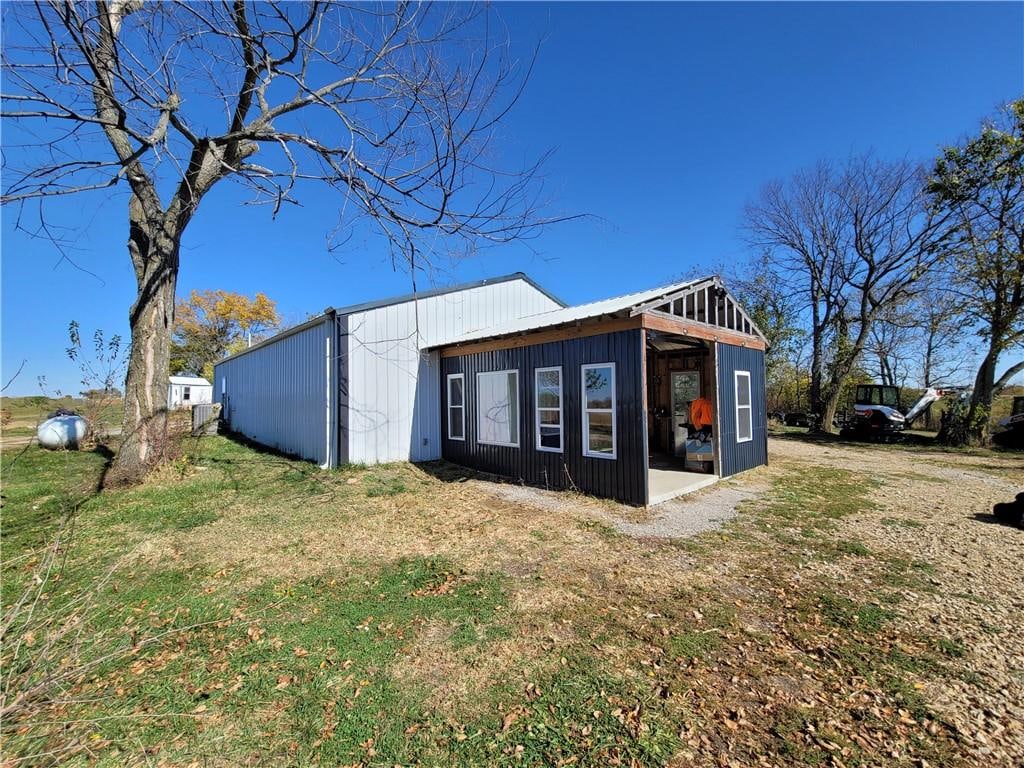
(241, 608)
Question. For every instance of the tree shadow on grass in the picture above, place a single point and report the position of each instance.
(32, 525)
(290, 470)
(449, 472)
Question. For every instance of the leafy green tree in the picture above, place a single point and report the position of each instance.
(980, 184)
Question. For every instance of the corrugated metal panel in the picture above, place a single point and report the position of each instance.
(278, 395)
(556, 315)
(394, 381)
(623, 478)
(736, 457)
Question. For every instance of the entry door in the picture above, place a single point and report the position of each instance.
(685, 389)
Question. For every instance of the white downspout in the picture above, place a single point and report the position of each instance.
(327, 364)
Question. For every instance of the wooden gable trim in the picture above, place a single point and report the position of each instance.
(543, 336)
(674, 296)
(656, 320)
(702, 288)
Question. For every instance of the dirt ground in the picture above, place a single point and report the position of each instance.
(937, 507)
(931, 507)
(845, 605)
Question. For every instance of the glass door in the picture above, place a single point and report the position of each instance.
(685, 389)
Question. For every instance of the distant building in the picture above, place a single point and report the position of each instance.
(638, 398)
(186, 391)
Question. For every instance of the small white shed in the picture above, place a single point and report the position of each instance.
(186, 391)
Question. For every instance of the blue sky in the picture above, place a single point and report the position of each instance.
(665, 119)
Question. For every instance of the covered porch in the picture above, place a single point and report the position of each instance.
(681, 411)
(682, 331)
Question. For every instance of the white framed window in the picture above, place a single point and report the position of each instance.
(598, 380)
(456, 406)
(186, 393)
(497, 408)
(548, 391)
(744, 408)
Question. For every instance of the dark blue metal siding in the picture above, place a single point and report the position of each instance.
(623, 478)
(736, 457)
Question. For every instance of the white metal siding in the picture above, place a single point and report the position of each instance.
(277, 394)
(394, 393)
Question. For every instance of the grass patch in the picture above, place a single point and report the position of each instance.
(792, 728)
(950, 647)
(300, 616)
(578, 715)
(816, 496)
(316, 654)
(902, 522)
(385, 486)
(844, 612)
(847, 547)
(603, 530)
(908, 573)
(692, 645)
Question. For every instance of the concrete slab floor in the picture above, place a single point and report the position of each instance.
(665, 484)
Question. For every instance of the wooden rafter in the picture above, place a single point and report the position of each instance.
(699, 303)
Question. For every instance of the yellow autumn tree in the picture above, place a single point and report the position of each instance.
(212, 324)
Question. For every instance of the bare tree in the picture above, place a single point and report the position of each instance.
(853, 243)
(890, 344)
(942, 327)
(802, 229)
(395, 107)
(980, 184)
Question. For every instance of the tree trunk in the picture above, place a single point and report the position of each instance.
(981, 398)
(829, 406)
(154, 250)
(814, 388)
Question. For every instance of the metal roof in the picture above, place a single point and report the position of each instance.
(571, 314)
(450, 289)
(194, 381)
(367, 305)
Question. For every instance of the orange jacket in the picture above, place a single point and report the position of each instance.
(700, 413)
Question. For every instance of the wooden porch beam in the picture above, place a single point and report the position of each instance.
(528, 338)
(660, 321)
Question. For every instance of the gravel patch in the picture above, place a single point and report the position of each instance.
(685, 516)
(939, 515)
(705, 510)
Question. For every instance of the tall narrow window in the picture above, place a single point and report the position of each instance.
(599, 410)
(497, 408)
(186, 393)
(549, 409)
(744, 409)
(456, 406)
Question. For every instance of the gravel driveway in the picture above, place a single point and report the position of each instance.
(931, 507)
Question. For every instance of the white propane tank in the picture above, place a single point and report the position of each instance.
(61, 432)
